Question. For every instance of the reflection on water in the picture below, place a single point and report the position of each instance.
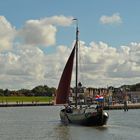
(102, 128)
(43, 123)
(74, 132)
(62, 132)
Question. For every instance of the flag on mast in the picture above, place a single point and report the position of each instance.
(99, 98)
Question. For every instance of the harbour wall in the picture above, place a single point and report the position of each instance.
(121, 106)
(27, 104)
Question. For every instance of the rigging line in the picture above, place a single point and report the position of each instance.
(80, 65)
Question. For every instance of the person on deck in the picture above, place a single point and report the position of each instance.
(99, 107)
(68, 109)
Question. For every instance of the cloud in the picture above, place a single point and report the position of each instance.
(22, 68)
(23, 61)
(7, 33)
(34, 33)
(43, 32)
(58, 20)
(114, 19)
(26, 65)
(100, 65)
(103, 65)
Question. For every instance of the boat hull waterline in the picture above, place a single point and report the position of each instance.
(81, 117)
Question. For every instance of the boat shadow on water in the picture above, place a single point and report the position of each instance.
(63, 131)
(69, 125)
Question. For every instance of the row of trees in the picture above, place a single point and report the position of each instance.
(134, 87)
(37, 91)
(47, 91)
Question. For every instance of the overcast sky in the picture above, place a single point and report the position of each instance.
(37, 36)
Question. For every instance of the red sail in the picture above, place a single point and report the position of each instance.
(64, 84)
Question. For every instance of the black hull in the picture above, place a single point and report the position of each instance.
(93, 121)
(98, 120)
(86, 119)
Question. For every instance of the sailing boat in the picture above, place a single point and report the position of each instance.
(89, 116)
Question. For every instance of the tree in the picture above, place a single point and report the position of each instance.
(6, 92)
(1, 92)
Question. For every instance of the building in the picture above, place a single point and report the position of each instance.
(134, 96)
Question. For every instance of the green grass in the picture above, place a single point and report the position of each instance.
(25, 99)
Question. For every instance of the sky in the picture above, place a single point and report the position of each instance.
(37, 36)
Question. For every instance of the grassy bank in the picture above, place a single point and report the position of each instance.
(25, 99)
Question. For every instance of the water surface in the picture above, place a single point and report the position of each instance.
(43, 123)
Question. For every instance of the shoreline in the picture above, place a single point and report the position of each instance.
(121, 106)
(28, 104)
(25, 104)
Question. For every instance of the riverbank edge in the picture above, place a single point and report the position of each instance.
(25, 104)
(110, 107)
(121, 106)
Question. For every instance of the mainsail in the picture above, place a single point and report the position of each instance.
(63, 90)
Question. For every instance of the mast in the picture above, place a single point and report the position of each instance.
(76, 78)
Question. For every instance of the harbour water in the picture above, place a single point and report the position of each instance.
(43, 123)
